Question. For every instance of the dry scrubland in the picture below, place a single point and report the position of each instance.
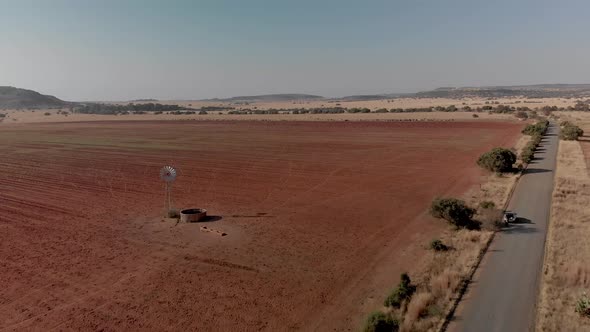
(567, 255)
(566, 273)
(440, 275)
(15, 116)
(390, 103)
(321, 218)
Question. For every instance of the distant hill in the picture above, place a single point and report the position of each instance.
(147, 100)
(373, 97)
(268, 98)
(526, 91)
(11, 97)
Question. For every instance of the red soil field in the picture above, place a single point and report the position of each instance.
(321, 218)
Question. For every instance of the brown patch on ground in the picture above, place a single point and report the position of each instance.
(320, 219)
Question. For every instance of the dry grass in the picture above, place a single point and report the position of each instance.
(389, 103)
(443, 278)
(445, 271)
(567, 254)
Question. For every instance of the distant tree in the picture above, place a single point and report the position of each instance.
(451, 108)
(521, 115)
(581, 106)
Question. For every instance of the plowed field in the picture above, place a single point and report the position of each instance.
(321, 217)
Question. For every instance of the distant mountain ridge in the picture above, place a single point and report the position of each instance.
(267, 98)
(526, 91)
(11, 97)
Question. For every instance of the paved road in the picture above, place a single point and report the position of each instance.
(503, 294)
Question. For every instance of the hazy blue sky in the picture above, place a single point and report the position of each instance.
(118, 50)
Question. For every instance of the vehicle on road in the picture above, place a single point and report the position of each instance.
(509, 217)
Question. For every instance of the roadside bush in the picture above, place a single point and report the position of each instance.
(475, 115)
(380, 322)
(203, 112)
(46, 113)
(538, 128)
(403, 292)
(382, 110)
(583, 306)
(454, 211)
(487, 205)
(521, 115)
(570, 132)
(497, 160)
(438, 245)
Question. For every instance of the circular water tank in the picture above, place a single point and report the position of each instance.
(192, 215)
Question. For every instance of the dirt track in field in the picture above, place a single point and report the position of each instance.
(321, 219)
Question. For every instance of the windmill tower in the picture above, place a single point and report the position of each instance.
(168, 175)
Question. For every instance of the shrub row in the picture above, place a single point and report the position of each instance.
(538, 128)
(537, 131)
(528, 152)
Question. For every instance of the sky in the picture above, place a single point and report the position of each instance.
(86, 50)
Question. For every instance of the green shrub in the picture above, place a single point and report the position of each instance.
(521, 115)
(571, 132)
(454, 211)
(380, 322)
(487, 205)
(46, 113)
(497, 160)
(438, 245)
(583, 305)
(403, 292)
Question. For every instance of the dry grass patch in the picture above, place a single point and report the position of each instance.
(567, 254)
(447, 270)
(444, 276)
